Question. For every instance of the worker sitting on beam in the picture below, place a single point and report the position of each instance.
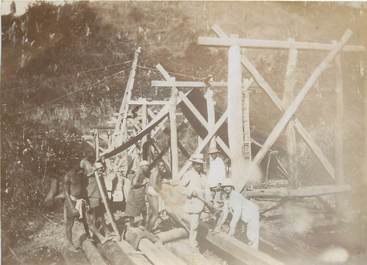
(194, 181)
(241, 209)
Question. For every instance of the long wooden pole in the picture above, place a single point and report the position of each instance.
(339, 122)
(288, 95)
(210, 103)
(277, 101)
(173, 130)
(299, 98)
(234, 105)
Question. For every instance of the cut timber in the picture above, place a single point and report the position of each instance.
(92, 253)
(174, 200)
(74, 258)
(246, 119)
(211, 114)
(156, 253)
(115, 255)
(288, 95)
(134, 256)
(188, 84)
(172, 235)
(276, 100)
(235, 121)
(339, 122)
(309, 191)
(253, 43)
(183, 250)
(273, 136)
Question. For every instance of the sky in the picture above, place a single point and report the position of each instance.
(21, 5)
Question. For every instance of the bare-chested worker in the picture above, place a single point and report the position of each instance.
(75, 203)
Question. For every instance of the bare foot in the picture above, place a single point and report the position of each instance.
(72, 248)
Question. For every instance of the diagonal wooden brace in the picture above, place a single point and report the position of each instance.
(299, 98)
(204, 142)
(277, 101)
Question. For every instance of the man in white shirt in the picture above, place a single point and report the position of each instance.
(194, 183)
(216, 174)
(241, 209)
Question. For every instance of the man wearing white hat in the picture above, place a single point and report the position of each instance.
(216, 173)
(194, 182)
(241, 209)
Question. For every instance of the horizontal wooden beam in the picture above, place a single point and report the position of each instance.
(193, 84)
(308, 191)
(275, 44)
(147, 102)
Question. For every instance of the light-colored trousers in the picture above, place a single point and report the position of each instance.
(194, 219)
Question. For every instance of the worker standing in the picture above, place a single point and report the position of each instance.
(135, 204)
(216, 174)
(241, 209)
(194, 182)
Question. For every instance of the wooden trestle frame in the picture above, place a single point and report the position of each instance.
(288, 105)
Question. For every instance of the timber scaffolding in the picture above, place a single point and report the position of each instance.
(230, 131)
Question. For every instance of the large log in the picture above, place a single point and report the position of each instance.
(173, 234)
(92, 253)
(174, 201)
(72, 258)
(114, 254)
(133, 255)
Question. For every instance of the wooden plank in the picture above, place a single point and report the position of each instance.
(92, 253)
(305, 191)
(301, 95)
(106, 206)
(246, 119)
(235, 117)
(191, 84)
(339, 122)
(134, 256)
(276, 100)
(127, 96)
(275, 44)
(147, 102)
(211, 114)
(205, 141)
(288, 95)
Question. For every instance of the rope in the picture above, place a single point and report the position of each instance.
(173, 73)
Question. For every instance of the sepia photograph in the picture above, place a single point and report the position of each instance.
(183, 132)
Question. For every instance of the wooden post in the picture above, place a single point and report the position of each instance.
(234, 105)
(246, 119)
(210, 103)
(339, 122)
(96, 143)
(288, 95)
(107, 208)
(173, 130)
(92, 253)
(273, 136)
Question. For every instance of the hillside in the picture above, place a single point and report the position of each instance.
(64, 69)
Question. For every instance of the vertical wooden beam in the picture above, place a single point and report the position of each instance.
(234, 105)
(288, 95)
(246, 119)
(210, 103)
(173, 130)
(339, 122)
(96, 143)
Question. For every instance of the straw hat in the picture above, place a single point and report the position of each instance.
(213, 150)
(227, 182)
(197, 158)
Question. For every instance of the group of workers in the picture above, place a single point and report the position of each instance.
(214, 191)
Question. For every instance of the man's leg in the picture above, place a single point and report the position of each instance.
(69, 222)
(153, 212)
(253, 232)
(194, 226)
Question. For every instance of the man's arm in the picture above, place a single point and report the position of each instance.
(223, 217)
